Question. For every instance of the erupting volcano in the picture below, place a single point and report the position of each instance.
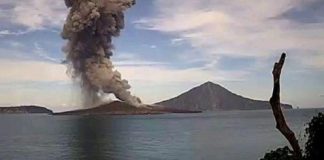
(89, 29)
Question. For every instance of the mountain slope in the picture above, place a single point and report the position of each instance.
(211, 96)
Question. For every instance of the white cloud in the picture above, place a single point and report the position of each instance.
(131, 59)
(234, 28)
(137, 63)
(161, 74)
(20, 71)
(7, 32)
(15, 44)
(34, 14)
(137, 69)
(176, 41)
(178, 23)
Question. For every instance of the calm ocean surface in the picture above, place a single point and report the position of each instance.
(229, 135)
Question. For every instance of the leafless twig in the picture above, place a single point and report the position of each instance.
(277, 112)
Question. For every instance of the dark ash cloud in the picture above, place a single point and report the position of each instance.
(89, 28)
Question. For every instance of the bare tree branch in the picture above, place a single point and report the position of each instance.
(277, 112)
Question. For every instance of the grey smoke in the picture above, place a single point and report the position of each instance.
(89, 29)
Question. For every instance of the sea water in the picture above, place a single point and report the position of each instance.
(226, 135)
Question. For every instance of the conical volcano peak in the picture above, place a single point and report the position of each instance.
(212, 96)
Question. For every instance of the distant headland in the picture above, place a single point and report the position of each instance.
(24, 110)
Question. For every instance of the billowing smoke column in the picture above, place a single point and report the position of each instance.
(89, 29)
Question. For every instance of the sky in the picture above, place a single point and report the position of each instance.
(170, 46)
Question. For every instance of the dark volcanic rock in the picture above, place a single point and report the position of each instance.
(121, 108)
(24, 110)
(114, 108)
(211, 96)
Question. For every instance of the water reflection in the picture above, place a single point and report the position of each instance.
(89, 140)
(126, 138)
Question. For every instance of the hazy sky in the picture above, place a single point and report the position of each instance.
(169, 46)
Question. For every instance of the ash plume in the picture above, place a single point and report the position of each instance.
(89, 29)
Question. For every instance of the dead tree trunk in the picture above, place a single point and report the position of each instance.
(281, 124)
